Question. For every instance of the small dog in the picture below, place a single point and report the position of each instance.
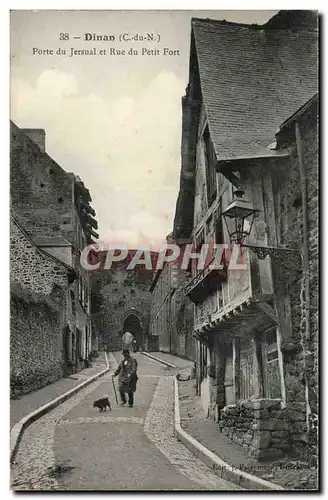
(102, 404)
(182, 378)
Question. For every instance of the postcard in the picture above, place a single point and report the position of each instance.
(164, 279)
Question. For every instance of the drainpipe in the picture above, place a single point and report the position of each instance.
(303, 177)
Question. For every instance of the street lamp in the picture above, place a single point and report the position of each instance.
(239, 218)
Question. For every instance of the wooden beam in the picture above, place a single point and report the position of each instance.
(256, 368)
(236, 367)
(235, 181)
(268, 310)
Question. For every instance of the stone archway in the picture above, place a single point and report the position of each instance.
(132, 322)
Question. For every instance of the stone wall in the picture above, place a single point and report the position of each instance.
(172, 313)
(79, 324)
(160, 308)
(115, 294)
(41, 191)
(152, 343)
(38, 314)
(182, 322)
(312, 344)
(260, 426)
(42, 199)
(36, 340)
(300, 337)
(30, 267)
(265, 427)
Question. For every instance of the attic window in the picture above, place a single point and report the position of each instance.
(199, 240)
(60, 200)
(42, 185)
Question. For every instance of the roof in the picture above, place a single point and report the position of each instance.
(290, 19)
(303, 109)
(252, 79)
(51, 241)
(38, 249)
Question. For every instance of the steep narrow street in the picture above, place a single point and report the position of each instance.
(164, 205)
(76, 447)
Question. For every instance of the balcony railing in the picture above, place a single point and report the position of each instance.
(205, 283)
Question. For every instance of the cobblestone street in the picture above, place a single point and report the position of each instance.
(75, 447)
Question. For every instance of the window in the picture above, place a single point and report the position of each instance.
(267, 361)
(199, 240)
(219, 235)
(210, 161)
(198, 243)
(271, 368)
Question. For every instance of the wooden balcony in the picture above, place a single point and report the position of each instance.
(205, 283)
(257, 312)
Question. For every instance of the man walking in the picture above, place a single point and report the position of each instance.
(127, 380)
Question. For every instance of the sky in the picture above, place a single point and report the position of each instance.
(112, 119)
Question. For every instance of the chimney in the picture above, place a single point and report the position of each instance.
(38, 136)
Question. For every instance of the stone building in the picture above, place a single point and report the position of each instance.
(39, 313)
(52, 208)
(121, 302)
(257, 327)
(172, 313)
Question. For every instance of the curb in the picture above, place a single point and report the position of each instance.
(18, 429)
(221, 468)
(166, 363)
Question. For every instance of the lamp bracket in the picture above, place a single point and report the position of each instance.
(239, 192)
(285, 257)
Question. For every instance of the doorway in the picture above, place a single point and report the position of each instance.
(133, 324)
